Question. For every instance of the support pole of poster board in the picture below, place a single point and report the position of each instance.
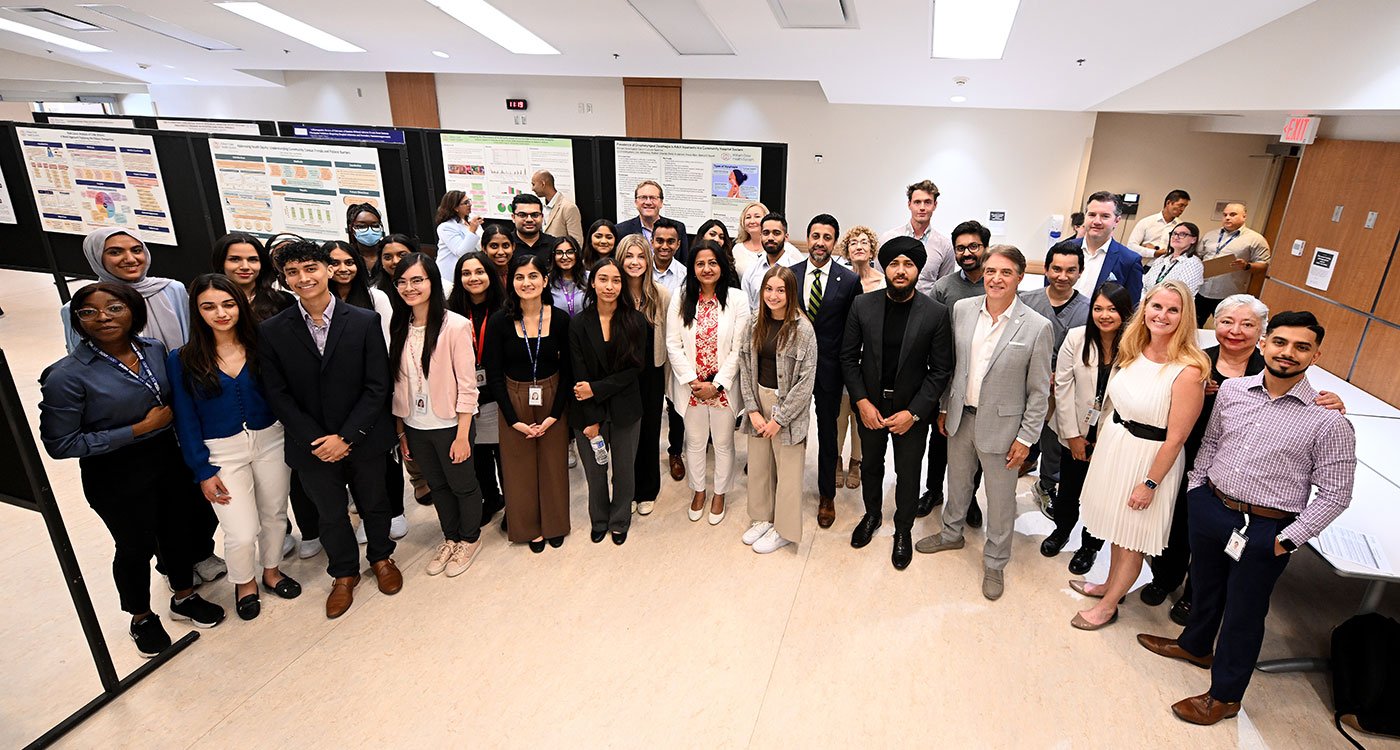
(20, 440)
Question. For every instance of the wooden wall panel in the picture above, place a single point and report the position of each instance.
(1375, 366)
(413, 99)
(1344, 327)
(653, 107)
(1288, 172)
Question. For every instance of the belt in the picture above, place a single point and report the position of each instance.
(970, 409)
(1143, 431)
(1240, 506)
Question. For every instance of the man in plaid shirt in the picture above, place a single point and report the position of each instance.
(1250, 509)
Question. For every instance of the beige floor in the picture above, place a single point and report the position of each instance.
(681, 638)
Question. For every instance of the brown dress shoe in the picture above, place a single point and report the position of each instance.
(677, 468)
(342, 596)
(826, 512)
(853, 475)
(388, 575)
(1169, 648)
(1204, 710)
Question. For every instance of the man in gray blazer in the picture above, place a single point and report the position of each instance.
(994, 408)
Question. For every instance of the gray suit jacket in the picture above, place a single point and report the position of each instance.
(1016, 390)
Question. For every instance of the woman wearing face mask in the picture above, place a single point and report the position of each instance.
(499, 247)
(599, 241)
(1181, 262)
(608, 343)
(458, 232)
(394, 248)
(118, 257)
(652, 300)
(231, 440)
(364, 228)
(243, 259)
(476, 296)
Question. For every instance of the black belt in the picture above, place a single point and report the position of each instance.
(1143, 431)
(970, 409)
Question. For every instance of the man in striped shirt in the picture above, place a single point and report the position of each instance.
(1256, 484)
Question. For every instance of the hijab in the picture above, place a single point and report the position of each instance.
(163, 321)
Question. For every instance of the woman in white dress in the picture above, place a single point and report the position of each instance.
(1153, 399)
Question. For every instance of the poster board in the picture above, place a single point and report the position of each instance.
(91, 122)
(700, 180)
(268, 187)
(83, 179)
(492, 169)
(7, 204)
(213, 127)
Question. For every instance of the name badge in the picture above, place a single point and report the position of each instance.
(1092, 418)
(480, 376)
(536, 395)
(1235, 547)
(420, 406)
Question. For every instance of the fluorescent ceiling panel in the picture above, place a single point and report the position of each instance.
(57, 19)
(285, 24)
(972, 29)
(813, 14)
(496, 26)
(684, 26)
(47, 37)
(164, 28)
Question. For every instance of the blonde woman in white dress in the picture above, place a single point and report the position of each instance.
(1153, 399)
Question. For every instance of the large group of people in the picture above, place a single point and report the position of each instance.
(315, 376)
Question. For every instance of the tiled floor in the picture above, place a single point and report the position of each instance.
(680, 638)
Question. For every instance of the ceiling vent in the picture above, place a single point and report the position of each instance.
(684, 26)
(814, 14)
(57, 19)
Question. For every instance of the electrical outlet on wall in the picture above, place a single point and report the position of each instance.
(520, 119)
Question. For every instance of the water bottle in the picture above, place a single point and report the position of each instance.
(600, 449)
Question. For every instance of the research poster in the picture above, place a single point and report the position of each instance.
(492, 169)
(268, 188)
(7, 204)
(93, 122)
(209, 126)
(83, 180)
(700, 180)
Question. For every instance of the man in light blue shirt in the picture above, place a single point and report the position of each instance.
(776, 250)
(665, 241)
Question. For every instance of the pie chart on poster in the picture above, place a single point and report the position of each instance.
(106, 204)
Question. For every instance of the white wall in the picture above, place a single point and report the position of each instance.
(558, 106)
(331, 97)
(1023, 162)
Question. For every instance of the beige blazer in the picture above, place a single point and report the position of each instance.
(451, 373)
(564, 219)
(1075, 384)
(680, 348)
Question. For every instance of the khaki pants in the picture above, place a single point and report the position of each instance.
(775, 477)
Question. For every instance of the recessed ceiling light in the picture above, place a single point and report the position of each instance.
(47, 36)
(972, 29)
(285, 24)
(159, 26)
(57, 19)
(440, 53)
(496, 26)
(957, 99)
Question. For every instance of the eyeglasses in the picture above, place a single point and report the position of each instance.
(975, 247)
(415, 281)
(112, 310)
(1183, 235)
(648, 198)
(564, 251)
(523, 215)
(364, 225)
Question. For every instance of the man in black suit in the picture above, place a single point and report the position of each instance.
(649, 198)
(826, 290)
(896, 356)
(527, 212)
(326, 372)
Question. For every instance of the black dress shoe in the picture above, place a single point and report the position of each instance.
(974, 515)
(1181, 611)
(537, 547)
(1083, 560)
(903, 549)
(927, 502)
(597, 535)
(1053, 543)
(556, 541)
(864, 530)
(619, 537)
(1152, 594)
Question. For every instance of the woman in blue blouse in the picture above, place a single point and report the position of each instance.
(107, 405)
(229, 438)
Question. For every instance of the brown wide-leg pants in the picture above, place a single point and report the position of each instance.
(535, 470)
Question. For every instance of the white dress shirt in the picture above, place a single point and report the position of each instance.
(810, 277)
(1155, 230)
(753, 280)
(984, 343)
(673, 278)
(1093, 266)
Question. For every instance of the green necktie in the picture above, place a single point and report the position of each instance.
(814, 302)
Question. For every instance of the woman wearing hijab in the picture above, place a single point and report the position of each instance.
(118, 257)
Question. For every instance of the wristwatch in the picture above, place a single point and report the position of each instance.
(1151, 485)
(1287, 544)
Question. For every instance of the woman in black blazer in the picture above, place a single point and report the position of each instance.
(608, 342)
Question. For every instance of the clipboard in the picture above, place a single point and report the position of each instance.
(1220, 265)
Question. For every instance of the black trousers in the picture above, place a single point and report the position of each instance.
(453, 487)
(1169, 568)
(647, 478)
(1072, 473)
(908, 452)
(150, 503)
(1231, 599)
(937, 461)
(828, 405)
(326, 486)
(303, 510)
(675, 430)
(486, 462)
(393, 483)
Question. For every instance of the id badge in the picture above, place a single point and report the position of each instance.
(480, 376)
(536, 395)
(420, 406)
(1235, 547)
(1092, 418)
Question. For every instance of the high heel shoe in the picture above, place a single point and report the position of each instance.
(715, 519)
(694, 513)
(1082, 624)
(537, 546)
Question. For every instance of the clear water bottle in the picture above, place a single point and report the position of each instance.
(600, 449)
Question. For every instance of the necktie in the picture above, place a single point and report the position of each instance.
(814, 301)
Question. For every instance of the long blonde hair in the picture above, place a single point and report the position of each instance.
(763, 320)
(743, 235)
(1182, 348)
(650, 303)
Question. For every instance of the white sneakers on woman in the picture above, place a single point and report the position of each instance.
(453, 558)
(771, 541)
(756, 531)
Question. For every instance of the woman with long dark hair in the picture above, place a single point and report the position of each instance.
(714, 230)
(599, 241)
(364, 231)
(435, 397)
(243, 259)
(395, 248)
(609, 342)
(567, 277)
(230, 439)
(652, 300)
(528, 367)
(499, 246)
(458, 232)
(107, 405)
(476, 295)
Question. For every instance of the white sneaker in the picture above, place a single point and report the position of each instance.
(211, 569)
(439, 561)
(772, 541)
(756, 531)
(645, 507)
(462, 557)
(360, 533)
(289, 545)
(634, 507)
(308, 548)
(398, 527)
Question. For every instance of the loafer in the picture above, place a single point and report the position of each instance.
(677, 468)
(1171, 648)
(865, 530)
(597, 535)
(342, 596)
(993, 583)
(903, 550)
(555, 541)
(935, 543)
(826, 512)
(974, 515)
(927, 502)
(1152, 594)
(249, 607)
(1181, 612)
(537, 546)
(287, 588)
(387, 575)
(1082, 561)
(1204, 710)
(1053, 544)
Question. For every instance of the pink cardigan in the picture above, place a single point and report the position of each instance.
(451, 373)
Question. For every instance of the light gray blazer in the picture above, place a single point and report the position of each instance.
(1075, 383)
(1016, 390)
(797, 374)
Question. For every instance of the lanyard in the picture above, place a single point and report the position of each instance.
(1162, 274)
(535, 353)
(1220, 248)
(480, 338)
(570, 291)
(145, 377)
(415, 358)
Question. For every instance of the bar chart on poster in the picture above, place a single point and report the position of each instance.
(492, 169)
(83, 180)
(270, 187)
(700, 180)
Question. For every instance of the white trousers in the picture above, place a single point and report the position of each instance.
(705, 424)
(254, 521)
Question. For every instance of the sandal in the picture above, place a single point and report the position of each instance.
(285, 588)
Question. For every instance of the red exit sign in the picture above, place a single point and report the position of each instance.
(518, 104)
(1300, 129)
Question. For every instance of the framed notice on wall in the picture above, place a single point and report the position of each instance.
(83, 180)
(267, 187)
(700, 180)
(492, 169)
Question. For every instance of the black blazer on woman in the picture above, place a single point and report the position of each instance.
(616, 393)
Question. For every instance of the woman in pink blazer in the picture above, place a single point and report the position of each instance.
(435, 395)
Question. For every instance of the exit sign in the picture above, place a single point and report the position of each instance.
(517, 104)
(1300, 129)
